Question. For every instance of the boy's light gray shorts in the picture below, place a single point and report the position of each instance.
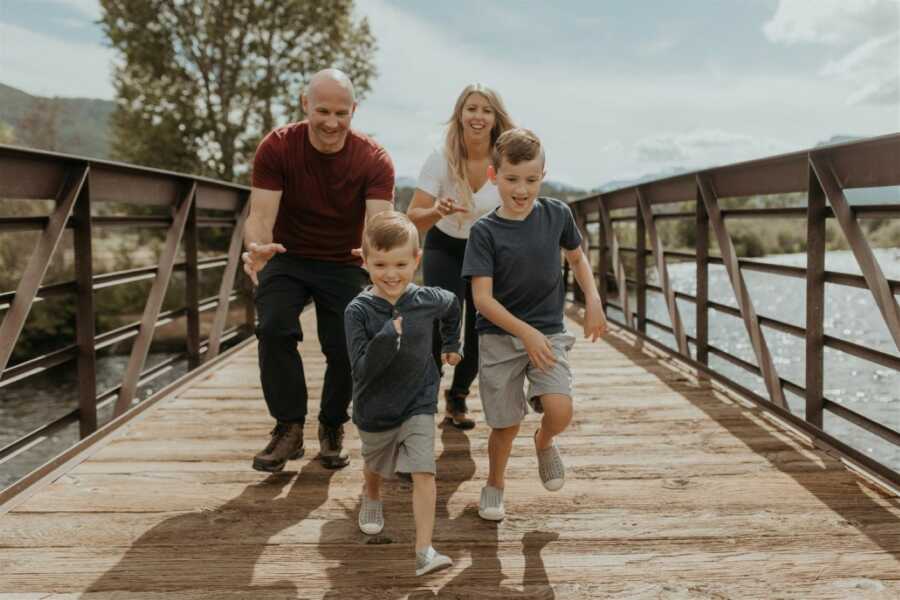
(503, 367)
(405, 449)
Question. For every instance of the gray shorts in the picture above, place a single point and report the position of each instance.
(503, 368)
(405, 449)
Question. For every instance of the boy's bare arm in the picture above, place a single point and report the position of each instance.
(540, 352)
(594, 319)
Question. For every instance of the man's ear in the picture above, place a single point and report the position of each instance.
(353, 110)
(492, 174)
(304, 103)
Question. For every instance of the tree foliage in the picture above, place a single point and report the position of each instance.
(201, 81)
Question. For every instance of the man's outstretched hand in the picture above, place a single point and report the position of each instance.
(256, 257)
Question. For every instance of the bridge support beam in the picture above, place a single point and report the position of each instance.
(154, 302)
(742, 294)
(646, 211)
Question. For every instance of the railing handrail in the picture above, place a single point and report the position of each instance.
(861, 149)
(34, 153)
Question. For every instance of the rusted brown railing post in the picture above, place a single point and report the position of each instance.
(602, 259)
(85, 324)
(580, 221)
(742, 294)
(192, 288)
(815, 299)
(702, 291)
(14, 320)
(640, 266)
(645, 215)
(231, 269)
(154, 302)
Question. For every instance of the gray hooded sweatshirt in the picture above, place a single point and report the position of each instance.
(394, 376)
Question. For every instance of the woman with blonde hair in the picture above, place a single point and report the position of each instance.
(453, 191)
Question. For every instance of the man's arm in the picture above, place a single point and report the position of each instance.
(540, 352)
(258, 231)
(594, 319)
(373, 207)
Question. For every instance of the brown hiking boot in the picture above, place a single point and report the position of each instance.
(331, 447)
(286, 444)
(456, 411)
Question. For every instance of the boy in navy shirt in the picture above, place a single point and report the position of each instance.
(513, 261)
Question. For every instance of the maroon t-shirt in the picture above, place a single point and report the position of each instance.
(323, 200)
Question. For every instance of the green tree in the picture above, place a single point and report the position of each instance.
(201, 81)
(39, 126)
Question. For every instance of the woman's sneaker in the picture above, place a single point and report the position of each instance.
(430, 560)
(371, 516)
(550, 466)
(490, 507)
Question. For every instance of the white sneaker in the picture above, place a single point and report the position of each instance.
(430, 560)
(551, 469)
(490, 507)
(371, 516)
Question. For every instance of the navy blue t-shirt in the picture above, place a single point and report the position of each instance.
(523, 259)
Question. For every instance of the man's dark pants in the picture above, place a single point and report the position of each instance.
(286, 284)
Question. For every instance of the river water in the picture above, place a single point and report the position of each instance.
(850, 313)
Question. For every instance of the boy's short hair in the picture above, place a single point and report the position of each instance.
(516, 145)
(388, 230)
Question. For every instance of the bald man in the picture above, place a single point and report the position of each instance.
(314, 184)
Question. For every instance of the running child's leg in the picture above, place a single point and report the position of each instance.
(424, 497)
(557, 416)
(500, 444)
(372, 485)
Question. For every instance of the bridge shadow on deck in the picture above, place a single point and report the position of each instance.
(849, 500)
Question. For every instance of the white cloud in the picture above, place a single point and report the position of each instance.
(704, 147)
(587, 118)
(44, 65)
(832, 21)
(872, 69)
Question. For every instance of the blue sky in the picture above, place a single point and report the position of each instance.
(615, 89)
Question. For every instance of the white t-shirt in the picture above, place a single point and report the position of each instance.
(436, 180)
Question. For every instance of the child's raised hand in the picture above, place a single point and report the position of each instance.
(398, 325)
(594, 321)
(451, 358)
(539, 349)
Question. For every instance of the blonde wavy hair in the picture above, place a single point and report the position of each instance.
(455, 147)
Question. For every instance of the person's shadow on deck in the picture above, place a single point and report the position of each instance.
(222, 545)
(382, 568)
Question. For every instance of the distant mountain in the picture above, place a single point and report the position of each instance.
(81, 124)
(621, 183)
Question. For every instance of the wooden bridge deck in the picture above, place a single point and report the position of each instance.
(675, 490)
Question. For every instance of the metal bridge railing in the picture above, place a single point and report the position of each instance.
(823, 174)
(78, 186)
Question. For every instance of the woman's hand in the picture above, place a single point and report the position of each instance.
(446, 206)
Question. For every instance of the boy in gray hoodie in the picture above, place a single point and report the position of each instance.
(395, 381)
